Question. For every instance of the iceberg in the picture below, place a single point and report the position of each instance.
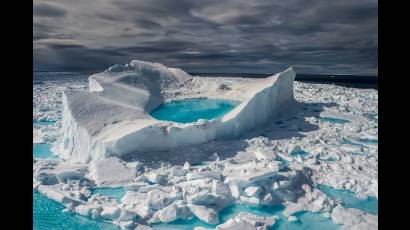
(112, 118)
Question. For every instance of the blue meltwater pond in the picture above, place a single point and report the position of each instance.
(350, 200)
(43, 150)
(190, 110)
(333, 120)
(48, 214)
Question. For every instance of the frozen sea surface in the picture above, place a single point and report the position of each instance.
(49, 214)
(334, 135)
(305, 220)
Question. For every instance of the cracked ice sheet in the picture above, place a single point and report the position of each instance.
(338, 155)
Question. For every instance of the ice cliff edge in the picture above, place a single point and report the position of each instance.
(112, 118)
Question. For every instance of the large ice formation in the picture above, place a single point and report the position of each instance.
(112, 119)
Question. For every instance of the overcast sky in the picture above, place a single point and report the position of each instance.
(263, 36)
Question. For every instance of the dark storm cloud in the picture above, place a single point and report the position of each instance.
(144, 23)
(203, 36)
(160, 47)
(44, 9)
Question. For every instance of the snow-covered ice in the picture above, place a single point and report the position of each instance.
(281, 163)
(112, 118)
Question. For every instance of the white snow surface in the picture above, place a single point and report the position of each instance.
(255, 169)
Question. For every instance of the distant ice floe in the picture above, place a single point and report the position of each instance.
(281, 164)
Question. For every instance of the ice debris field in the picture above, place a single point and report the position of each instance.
(144, 146)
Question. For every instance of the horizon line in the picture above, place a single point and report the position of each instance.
(316, 74)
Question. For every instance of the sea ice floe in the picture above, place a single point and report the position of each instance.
(353, 218)
(116, 192)
(248, 221)
(111, 172)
